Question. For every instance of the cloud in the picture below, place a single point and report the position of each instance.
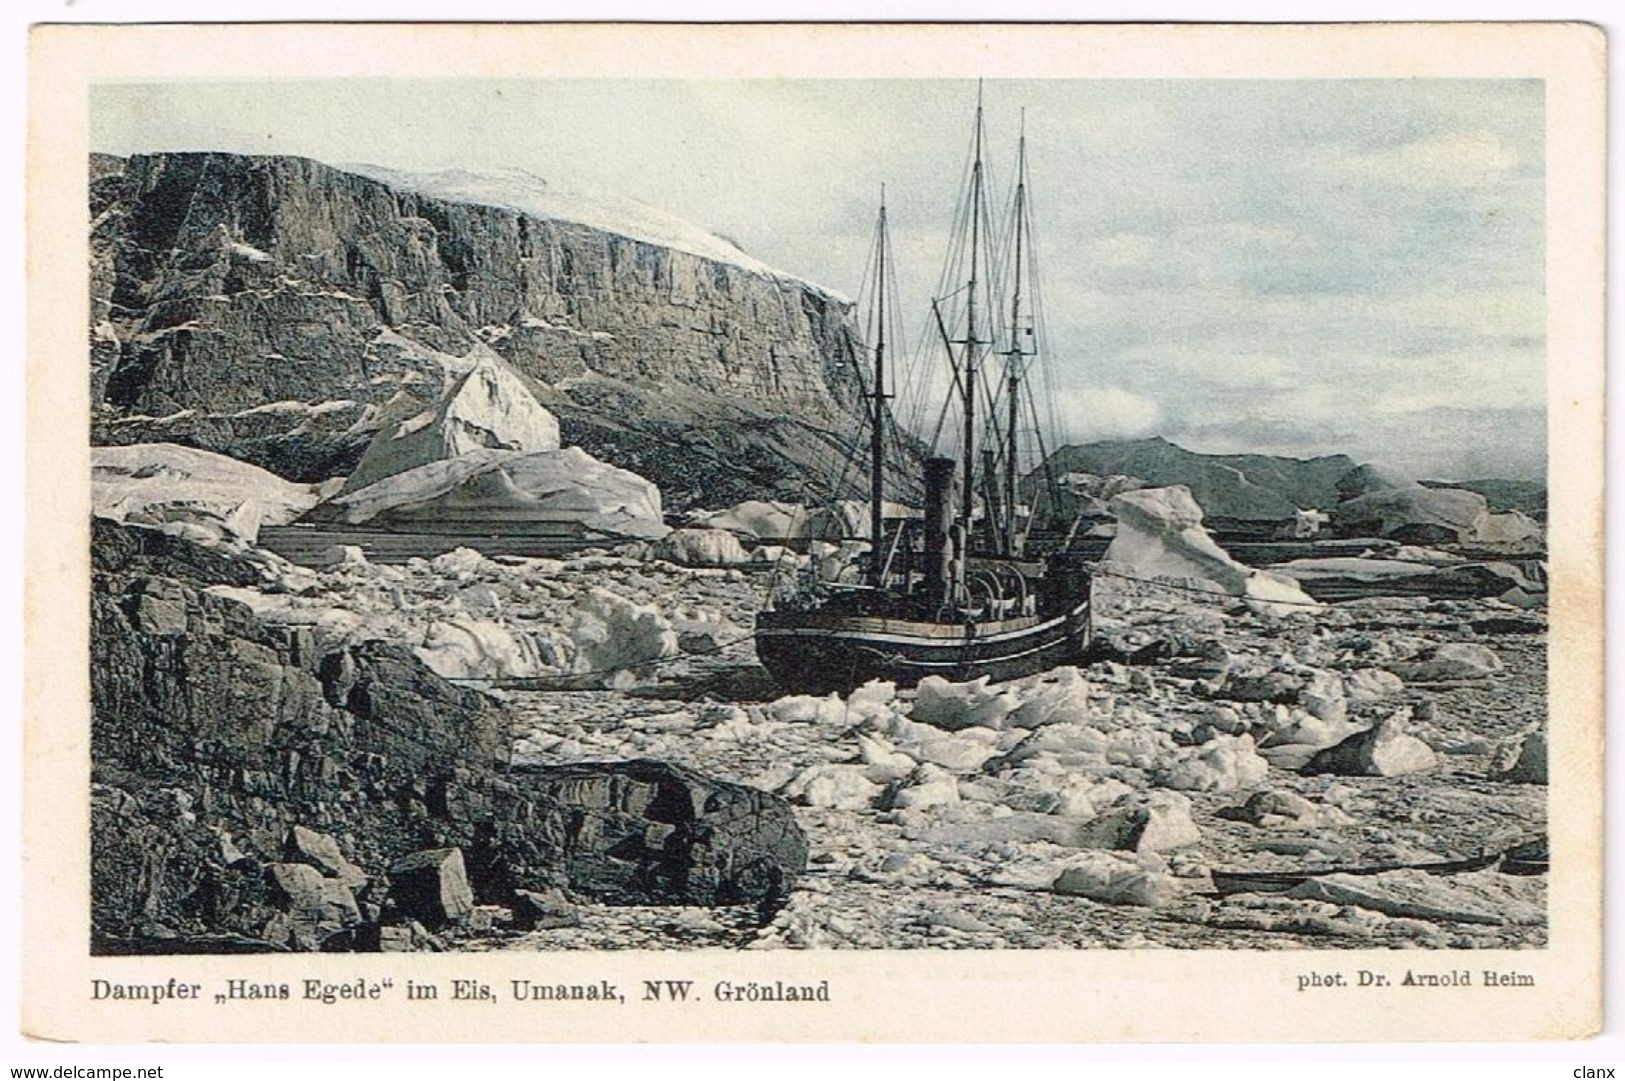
(1241, 237)
(1108, 413)
(1202, 365)
(1120, 249)
(1456, 381)
(1452, 443)
(1504, 312)
(1452, 160)
(1445, 443)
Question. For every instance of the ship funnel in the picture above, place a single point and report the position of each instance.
(939, 486)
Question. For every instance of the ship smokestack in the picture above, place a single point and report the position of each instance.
(939, 485)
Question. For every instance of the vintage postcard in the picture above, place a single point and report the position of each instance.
(827, 532)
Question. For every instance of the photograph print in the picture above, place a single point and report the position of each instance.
(565, 514)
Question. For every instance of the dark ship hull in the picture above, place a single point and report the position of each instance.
(817, 652)
(1027, 616)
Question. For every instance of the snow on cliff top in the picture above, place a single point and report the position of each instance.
(516, 189)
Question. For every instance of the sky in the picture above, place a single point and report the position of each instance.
(1287, 267)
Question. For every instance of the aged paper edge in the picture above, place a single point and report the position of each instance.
(881, 995)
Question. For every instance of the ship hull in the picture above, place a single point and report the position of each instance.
(819, 653)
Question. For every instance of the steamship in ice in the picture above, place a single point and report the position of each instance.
(957, 594)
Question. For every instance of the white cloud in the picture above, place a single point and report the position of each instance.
(1120, 249)
(1232, 239)
(1460, 380)
(1108, 413)
(1215, 363)
(1456, 160)
(1507, 312)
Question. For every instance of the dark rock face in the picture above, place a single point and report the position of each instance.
(652, 831)
(160, 879)
(221, 282)
(118, 548)
(432, 885)
(248, 788)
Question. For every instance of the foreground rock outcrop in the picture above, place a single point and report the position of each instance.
(253, 790)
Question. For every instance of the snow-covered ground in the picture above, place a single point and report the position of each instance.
(1079, 808)
(1082, 809)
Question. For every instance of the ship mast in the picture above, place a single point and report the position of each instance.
(877, 449)
(1014, 362)
(968, 388)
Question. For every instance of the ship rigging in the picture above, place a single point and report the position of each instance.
(953, 595)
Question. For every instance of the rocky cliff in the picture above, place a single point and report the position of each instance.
(281, 311)
(253, 789)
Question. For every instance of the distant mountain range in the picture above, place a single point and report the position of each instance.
(1260, 486)
(1226, 485)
